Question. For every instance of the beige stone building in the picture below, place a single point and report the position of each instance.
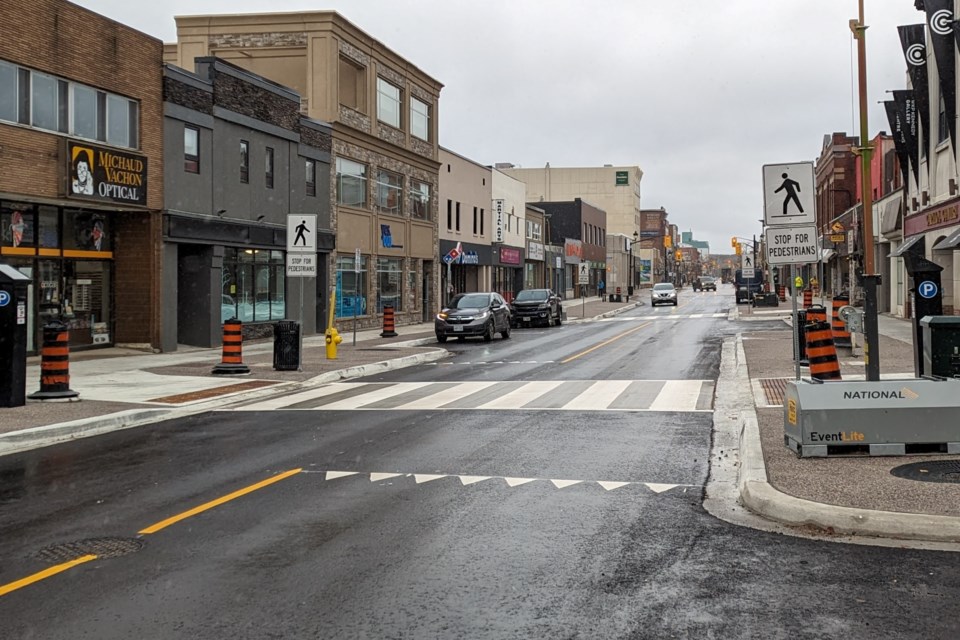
(616, 190)
(383, 111)
(466, 194)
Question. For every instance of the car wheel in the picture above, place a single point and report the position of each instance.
(441, 338)
(674, 303)
(488, 334)
(505, 334)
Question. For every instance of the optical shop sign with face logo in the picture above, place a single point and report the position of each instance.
(105, 175)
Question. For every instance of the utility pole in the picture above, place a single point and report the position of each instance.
(871, 347)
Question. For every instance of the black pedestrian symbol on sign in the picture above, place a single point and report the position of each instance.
(792, 187)
(301, 229)
(747, 261)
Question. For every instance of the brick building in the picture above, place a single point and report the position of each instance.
(82, 182)
(836, 193)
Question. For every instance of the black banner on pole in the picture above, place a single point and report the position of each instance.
(914, 43)
(897, 127)
(906, 108)
(940, 20)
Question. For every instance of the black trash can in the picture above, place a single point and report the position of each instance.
(286, 345)
(801, 337)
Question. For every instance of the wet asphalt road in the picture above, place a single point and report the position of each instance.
(499, 546)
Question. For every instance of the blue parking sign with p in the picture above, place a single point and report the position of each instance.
(927, 289)
(4, 298)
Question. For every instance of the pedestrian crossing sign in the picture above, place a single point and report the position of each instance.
(788, 194)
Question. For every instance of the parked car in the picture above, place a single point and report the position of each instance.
(663, 293)
(536, 306)
(473, 314)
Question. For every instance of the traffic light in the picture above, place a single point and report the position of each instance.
(733, 242)
(737, 248)
(667, 241)
(678, 255)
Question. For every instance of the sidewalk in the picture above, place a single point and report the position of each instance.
(846, 495)
(121, 388)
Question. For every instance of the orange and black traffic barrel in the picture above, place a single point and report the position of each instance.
(55, 364)
(821, 352)
(782, 292)
(816, 313)
(389, 327)
(231, 363)
(807, 298)
(841, 336)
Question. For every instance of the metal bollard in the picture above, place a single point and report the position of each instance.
(55, 365)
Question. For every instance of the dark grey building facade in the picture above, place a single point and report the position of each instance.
(239, 158)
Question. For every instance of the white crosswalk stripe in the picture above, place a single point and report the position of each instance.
(540, 395)
(673, 315)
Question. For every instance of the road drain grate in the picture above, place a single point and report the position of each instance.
(933, 471)
(100, 547)
(774, 389)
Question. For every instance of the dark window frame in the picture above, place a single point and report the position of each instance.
(310, 178)
(245, 161)
(268, 167)
(191, 162)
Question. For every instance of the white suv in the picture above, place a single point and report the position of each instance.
(663, 293)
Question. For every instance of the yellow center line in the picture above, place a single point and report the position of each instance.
(606, 342)
(163, 524)
(46, 573)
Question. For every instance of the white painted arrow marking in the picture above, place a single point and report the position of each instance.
(425, 477)
(472, 479)
(610, 486)
(659, 488)
(516, 482)
(377, 477)
(560, 484)
(333, 475)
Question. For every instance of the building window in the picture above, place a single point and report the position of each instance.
(351, 183)
(191, 149)
(388, 103)
(389, 284)
(310, 170)
(420, 200)
(482, 214)
(389, 194)
(244, 161)
(351, 287)
(83, 112)
(942, 124)
(352, 84)
(458, 216)
(253, 288)
(8, 97)
(118, 121)
(449, 215)
(419, 119)
(268, 167)
(45, 99)
(475, 227)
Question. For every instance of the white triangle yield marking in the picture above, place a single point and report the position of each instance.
(659, 488)
(560, 484)
(472, 479)
(425, 477)
(333, 475)
(610, 486)
(377, 477)
(516, 482)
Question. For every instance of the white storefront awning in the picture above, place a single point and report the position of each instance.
(827, 254)
(950, 242)
(902, 249)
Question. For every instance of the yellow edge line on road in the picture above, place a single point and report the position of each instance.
(46, 573)
(163, 524)
(606, 342)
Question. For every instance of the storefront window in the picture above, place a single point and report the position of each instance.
(49, 227)
(351, 287)
(18, 224)
(253, 285)
(86, 299)
(389, 284)
(86, 230)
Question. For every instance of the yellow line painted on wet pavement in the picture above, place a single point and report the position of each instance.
(163, 524)
(46, 573)
(606, 342)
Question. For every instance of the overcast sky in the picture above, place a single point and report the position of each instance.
(700, 94)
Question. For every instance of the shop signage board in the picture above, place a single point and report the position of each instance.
(788, 194)
(103, 174)
(792, 245)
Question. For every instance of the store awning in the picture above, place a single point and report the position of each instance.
(892, 220)
(906, 246)
(827, 254)
(949, 242)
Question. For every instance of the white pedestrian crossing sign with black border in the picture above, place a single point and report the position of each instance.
(584, 273)
(788, 194)
(302, 232)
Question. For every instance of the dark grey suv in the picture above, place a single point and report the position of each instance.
(536, 306)
(473, 314)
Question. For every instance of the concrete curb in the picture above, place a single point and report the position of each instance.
(608, 314)
(382, 366)
(759, 496)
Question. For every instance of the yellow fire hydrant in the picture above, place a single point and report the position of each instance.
(332, 336)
